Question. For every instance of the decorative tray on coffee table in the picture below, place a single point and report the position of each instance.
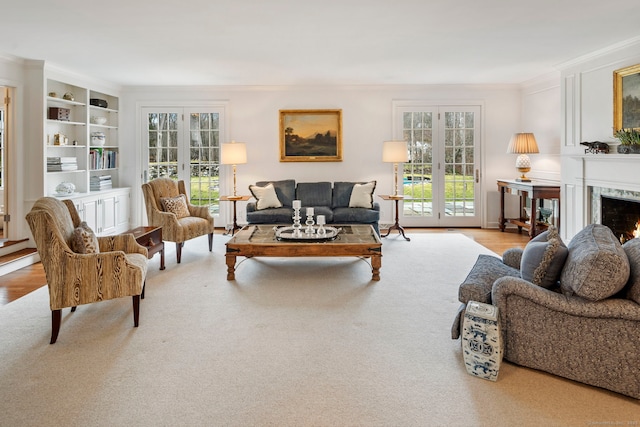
(291, 234)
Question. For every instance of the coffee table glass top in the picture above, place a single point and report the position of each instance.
(266, 234)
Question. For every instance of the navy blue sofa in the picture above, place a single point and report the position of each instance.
(330, 200)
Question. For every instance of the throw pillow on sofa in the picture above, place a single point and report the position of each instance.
(362, 195)
(543, 258)
(597, 266)
(632, 249)
(266, 196)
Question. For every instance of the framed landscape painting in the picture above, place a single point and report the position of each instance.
(626, 98)
(310, 135)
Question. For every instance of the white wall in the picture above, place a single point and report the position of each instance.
(253, 118)
(587, 115)
(367, 122)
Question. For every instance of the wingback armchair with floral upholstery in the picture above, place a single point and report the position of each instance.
(168, 207)
(116, 268)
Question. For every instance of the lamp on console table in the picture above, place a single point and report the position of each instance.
(233, 153)
(523, 144)
(395, 152)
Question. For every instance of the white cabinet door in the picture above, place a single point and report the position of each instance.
(122, 212)
(89, 209)
(107, 215)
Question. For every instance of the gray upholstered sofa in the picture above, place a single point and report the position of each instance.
(582, 324)
(334, 201)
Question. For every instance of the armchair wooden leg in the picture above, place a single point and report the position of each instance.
(136, 310)
(179, 250)
(56, 317)
(144, 285)
(210, 242)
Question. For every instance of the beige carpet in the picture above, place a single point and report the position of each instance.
(292, 342)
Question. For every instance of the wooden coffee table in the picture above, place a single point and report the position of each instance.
(260, 240)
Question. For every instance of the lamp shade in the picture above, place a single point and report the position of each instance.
(233, 153)
(395, 152)
(523, 143)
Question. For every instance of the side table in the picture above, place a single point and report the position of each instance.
(150, 238)
(397, 225)
(234, 199)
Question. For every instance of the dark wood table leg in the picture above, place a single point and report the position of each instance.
(534, 209)
(397, 225)
(162, 257)
(501, 219)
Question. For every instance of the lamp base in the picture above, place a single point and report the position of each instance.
(523, 179)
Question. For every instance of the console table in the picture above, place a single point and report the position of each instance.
(535, 190)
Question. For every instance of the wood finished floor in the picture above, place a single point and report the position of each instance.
(19, 283)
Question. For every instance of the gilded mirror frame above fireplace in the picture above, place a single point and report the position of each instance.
(626, 98)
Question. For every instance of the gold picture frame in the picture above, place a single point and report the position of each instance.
(626, 98)
(310, 135)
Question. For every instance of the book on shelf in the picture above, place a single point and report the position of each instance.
(59, 167)
(56, 160)
(100, 182)
(102, 159)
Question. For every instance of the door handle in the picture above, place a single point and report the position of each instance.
(477, 176)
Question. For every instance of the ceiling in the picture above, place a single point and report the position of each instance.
(297, 42)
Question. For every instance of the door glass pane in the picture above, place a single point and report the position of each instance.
(163, 145)
(417, 174)
(204, 165)
(459, 185)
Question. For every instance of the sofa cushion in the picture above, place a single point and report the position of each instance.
(285, 190)
(543, 258)
(84, 240)
(266, 196)
(271, 216)
(362, 195)
(341, 194)
(597, 266)
(176, 205)
(355, 216)
(313, 194)
(477, 286)
(632, 249)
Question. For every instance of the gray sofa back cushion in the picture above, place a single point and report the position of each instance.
(597, 267)
(342, 194)
(313, 194)
(285, 190)
(632, 249)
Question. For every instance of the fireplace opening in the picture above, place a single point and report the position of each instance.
(622, 216)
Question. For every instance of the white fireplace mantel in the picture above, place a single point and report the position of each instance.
(579, 173)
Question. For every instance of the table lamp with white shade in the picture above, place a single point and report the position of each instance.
(395, 152)
(523, 144)
(233, 153)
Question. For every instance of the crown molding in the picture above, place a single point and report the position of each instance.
(633, 42)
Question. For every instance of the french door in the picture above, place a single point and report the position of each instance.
(441, 178)
(184, 144)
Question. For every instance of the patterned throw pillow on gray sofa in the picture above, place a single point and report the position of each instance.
(543, 259)
(597, 267)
